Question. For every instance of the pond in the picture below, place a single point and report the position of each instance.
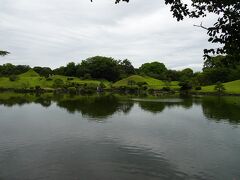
(117, 137)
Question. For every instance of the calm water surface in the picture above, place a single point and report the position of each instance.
(111, 137)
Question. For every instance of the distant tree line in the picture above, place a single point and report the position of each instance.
(216, 69)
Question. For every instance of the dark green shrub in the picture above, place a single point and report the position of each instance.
(166, 89)
(145, 88)
(150, 91)
(185, 86)
(198, 88)
(58, 83)
(48, 79)
(70, 78)
(219, 87)
(13, 77)
(140, 84)
(37, 88)
(102, 85)
(72, 90)
(87, 76)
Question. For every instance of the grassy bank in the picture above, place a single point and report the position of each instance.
(232, 87)
(31, 79)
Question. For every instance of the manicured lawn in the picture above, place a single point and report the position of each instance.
(232, 87)
(32, 79)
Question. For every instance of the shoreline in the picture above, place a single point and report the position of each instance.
(113, 91)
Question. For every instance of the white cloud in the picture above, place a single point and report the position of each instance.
(54, 32)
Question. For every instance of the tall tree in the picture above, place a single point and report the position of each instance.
(154, 69)
(126, 68)
(43, 71)
(70, 69)
(99, 67)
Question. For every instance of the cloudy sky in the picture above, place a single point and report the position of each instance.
(54, 32)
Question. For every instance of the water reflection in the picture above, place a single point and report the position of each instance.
(103, 106)
(158, 105)
(142, 138)
(95, 106)
(222, 108)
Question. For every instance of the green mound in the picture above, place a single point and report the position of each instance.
(125, 81)
(151, 82)
(29, 73)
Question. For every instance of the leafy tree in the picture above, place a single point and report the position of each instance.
(59, 71)
(99, 67)
(186, 74)
(126, 68)
(154, 69)
(7, 69)
(220, 62)
(185, 85)
(70, 70)
(43, 71)
(224, 31)
(219, 88)
(10, 69)
(13, 77)
(102, 85)
(4, 53)
(221, 68)
(172, 75)
(19, 69)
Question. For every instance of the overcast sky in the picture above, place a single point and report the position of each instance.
(54, 32)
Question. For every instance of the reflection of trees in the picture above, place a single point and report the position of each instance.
(95, 106)
(45, 102)
(159, 106)
(215, 108)
(17, 100)
(126, 106)
(21, 99)
(221, 108)
(154, 107)
(92, 106)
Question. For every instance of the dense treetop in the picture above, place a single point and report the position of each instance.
(154, 69)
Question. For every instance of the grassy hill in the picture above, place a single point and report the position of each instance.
(30, 73)
(232, 87)
(32, 79)
(151, 82)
